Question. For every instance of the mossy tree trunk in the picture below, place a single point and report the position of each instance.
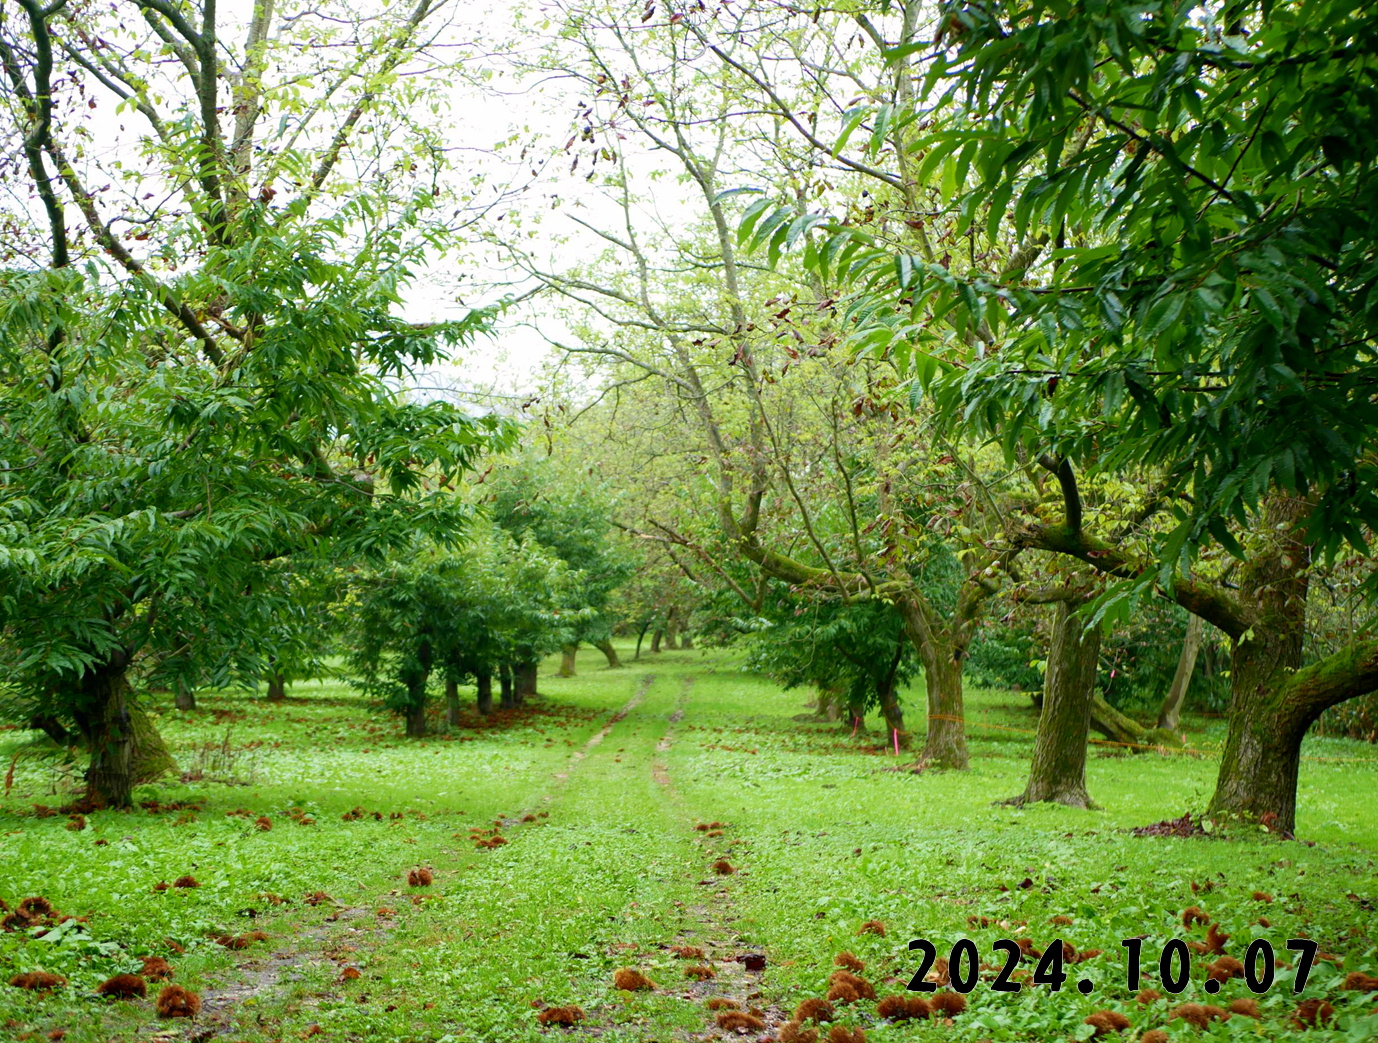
(609, 652)
(483, 683)
(184, 696)
(509, 699)
(567, 655)
(277, 687)
(1170, 713)
(1057, 773)
(124, 745)
(1272, 702)
(672, 629)
(655, 640)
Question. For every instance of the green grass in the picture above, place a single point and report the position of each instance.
(822, 835)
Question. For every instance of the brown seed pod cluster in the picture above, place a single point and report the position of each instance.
(1358, 981)
(722, 1003)
(1312, 1013)
(632, 981)
(903, 1008)
(240, 941)
(872, 927)
(794, 1032)
(1193, 914)
(848, 962)
(1225, 968)
(123, 987)
(420, 878)
(723, 867)
(156, 969)
(842, 1034)
(687, 952)
(700, 972)
(177, 1002)
(38, 981)
(739, 1021)
(815, 1010)
(567, 1016)
(948, 1004)
(1106, 1022)
(1198, 1015)
(35, 911)
(850, 987)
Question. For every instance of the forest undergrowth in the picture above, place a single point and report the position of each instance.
(678, 826)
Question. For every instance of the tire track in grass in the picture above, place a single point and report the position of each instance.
(576, 758)
(260, 978)
(717, 915)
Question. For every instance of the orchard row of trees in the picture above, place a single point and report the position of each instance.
(966, 307)
(884, 323)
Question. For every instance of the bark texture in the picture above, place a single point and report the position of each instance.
(184, 697)
(483, 681)
(124, 744)
(1057, 773)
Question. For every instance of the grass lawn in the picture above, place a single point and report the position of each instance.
(597, 790)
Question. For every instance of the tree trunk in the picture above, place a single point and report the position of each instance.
(946, 745)
(641, 636)
(567, 660)
(1261, 759)
(1170, 714)
(509, 700)
(655, 640)
(524, 678)
(185, 697)
(686, 640)
(415, 675)
(483, 682)
(830, 704)
(451, 700)
(672, 629)
(887, 695)
(125, 747)
(277, 687)
(416, 719)
(890, 710)
(605, 646)
(1058, 771)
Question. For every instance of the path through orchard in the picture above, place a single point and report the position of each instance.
(605, 842)
(613, 796)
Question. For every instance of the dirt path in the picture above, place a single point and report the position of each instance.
(348, 935)
(716, 933)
